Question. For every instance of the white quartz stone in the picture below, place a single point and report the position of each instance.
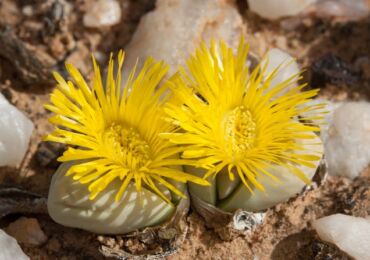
(102, 13)
(3, 100)
(15, 133)
(176, 27)
(9, 248)
(288, 67)
(346, 10)
(274, 9)
(275, 192)
(69, 205)
(350, 234)
(348, 139)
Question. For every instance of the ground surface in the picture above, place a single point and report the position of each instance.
(336, 58)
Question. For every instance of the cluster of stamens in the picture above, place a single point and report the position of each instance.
(240, 129)
(129, 146)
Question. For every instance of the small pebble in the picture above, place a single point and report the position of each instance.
(15, 133)
(175, 29)
(9, 248)
(54, 245)
(278, 9)
(344, 10)
(347, 141)
(102, 13)
(350, 234)
(27, 10)
(27, 231)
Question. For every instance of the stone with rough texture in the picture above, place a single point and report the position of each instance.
(347, 10)
(348, 139)
(176, 28)
(102, 13)
(275, 9)
(15, 133)
(27, 230)
(69, 205)
(350, 234)
(9, 248)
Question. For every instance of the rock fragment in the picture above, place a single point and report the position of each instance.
(345, 10)
(15, 133)
(9, 248)
(27, 231)
(347, 141)
(102, 13)
(278, 9)
(176, 28)
(350, 234)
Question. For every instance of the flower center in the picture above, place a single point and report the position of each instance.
(240, 129)
(128, 146)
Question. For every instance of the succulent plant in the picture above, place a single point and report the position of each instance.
(118, 174)
(250, 133)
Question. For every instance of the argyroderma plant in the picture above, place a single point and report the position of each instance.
(254, 140)
(251, 137)
(120, 174)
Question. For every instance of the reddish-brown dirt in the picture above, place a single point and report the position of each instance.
(287, 232)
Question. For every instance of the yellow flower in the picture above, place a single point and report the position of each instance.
(234, 119)
(114, 133)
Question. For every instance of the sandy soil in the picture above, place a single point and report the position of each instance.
(336, 58)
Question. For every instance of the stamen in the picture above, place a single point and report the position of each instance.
(129, 146)
(240, 129)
